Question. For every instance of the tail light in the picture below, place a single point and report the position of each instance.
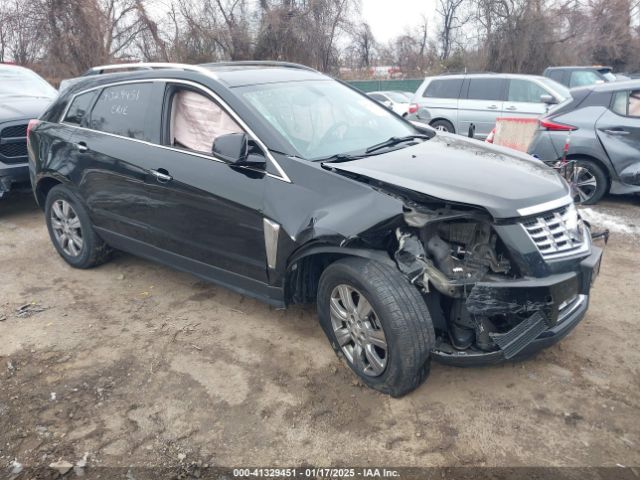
(413, 108)
(550, 125)
(491, 136)
(30, 126)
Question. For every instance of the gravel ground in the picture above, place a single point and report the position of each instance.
(137, 364)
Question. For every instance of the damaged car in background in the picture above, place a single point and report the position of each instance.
(281, 183)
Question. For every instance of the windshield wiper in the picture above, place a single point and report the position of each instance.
(395, 141)
(339, 157)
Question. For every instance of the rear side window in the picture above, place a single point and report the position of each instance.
(79, 109)
(525, 91)
(627, 103)
(122, 110)
(556, 75)
(444, 88)
(485, 89)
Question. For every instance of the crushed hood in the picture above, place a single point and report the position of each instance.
(462, 170)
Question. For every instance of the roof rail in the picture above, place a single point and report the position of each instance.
(258, 63)
(467, 72)
(144, 66)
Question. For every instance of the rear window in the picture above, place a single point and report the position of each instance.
(122, 110)
(581, 78)
(444, 88)
(80, 108)
(485, 89)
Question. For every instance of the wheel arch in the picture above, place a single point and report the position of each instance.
(305, 267)
(44, 186)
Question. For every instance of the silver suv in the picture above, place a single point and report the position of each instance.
(453, 102)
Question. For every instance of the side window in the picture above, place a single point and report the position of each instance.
(525, 91)
(122, 110)
(377, 97)
(627, 103)
(196, 121)
(449, 88)
(80, 108)
(485, 89)
(556, 75)
(581, 78)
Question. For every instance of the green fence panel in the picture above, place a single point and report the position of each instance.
(409, 85)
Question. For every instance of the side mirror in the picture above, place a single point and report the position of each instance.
(548, 99)
(388, 104)
(234, 148)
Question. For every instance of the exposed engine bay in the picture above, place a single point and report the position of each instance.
(458, 256)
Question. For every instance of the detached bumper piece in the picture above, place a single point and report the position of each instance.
(516, 339)
(552, 307)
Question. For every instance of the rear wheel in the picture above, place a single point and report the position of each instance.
(71, 231)
(443, 126)
(589, 182)
(379, 322)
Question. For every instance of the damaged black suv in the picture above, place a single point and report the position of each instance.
(283, 184)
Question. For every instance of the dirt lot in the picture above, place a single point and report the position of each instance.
(138, 364)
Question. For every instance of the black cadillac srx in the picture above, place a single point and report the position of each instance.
(283, 184)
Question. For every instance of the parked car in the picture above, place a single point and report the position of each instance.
(395, 100)
(23, 95)
(452, 103)
(576, 76)
(601, 124)
(283, 184)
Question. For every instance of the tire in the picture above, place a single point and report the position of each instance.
(71, 231)
(398, 311)
(443, 125)
(588, 171)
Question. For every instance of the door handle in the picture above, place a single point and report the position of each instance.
(82, 147)
(616, 132)
(161, 176)
(492, 107)
(511, 108)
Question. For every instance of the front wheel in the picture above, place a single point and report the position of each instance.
(379, 322)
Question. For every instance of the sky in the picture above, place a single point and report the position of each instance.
(390, 18)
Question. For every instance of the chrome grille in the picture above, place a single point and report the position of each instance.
(557, 233)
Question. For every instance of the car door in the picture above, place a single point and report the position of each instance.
(480, 104)
(200, 207)
(523, 98)
(619, 132)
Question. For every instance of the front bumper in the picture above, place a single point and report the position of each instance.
(12, 174)
(531, 297)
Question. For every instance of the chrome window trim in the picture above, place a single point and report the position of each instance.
(544, 207)
(283, 176)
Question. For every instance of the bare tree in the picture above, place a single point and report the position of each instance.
(452, 19)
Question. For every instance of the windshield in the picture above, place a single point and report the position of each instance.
(20, 82)
(557, 87)
(324, 118)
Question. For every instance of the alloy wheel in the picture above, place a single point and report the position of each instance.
(584, 184)
(358, 330)
(66, 227)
